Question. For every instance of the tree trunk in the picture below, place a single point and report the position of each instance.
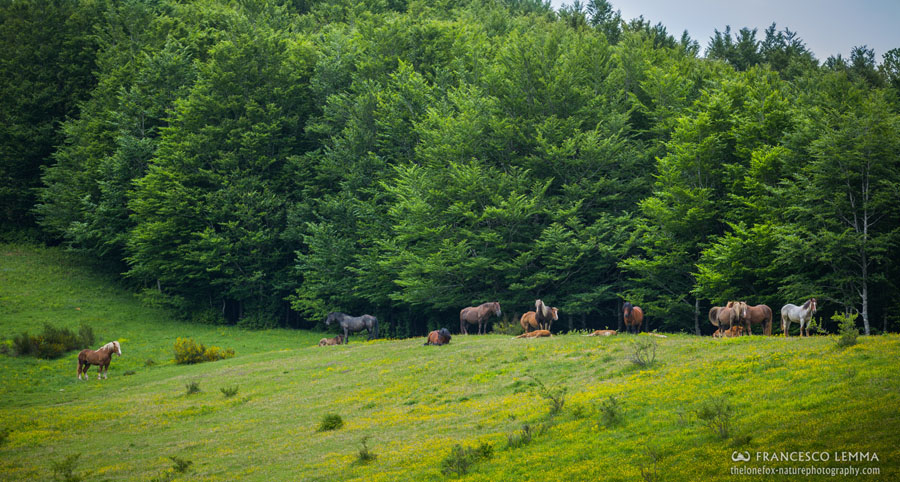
(619, 315)
(697, 316)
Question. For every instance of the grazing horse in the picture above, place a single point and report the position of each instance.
(439, 337)
(545, 315)
(535, 334)
(757, 315)
(477, 315)
(799, 314)
(337, 340)
(723, 317)
(633, 316)
(353, 324)
(100, 357)
(528, 321)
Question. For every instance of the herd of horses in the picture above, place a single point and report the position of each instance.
(736, 318)
(739, 314)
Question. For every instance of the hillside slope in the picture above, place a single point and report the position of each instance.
(413, 403)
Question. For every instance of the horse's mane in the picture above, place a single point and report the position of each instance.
(806, 305)
(112, 346)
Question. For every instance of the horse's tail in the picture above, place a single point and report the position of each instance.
(713, 315)
(375, 327)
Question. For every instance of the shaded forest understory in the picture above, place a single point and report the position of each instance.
(263, 163)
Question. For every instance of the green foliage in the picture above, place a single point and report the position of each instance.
(643, 351)
(716, 413)
(364, 455)
(65, 470)
(331, 421)
(4, 435)
(187, 352)
(554, 395)
(461, 458)
(847, 330)
(53, 342)
(229, 392)
(192, 387)
(521, 438)
(612, 413)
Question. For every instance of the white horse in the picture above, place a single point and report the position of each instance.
(799, 314)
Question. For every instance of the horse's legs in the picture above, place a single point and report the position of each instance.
(79, 370)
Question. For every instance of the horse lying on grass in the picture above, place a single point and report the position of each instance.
(603, 333)
(439, 337)
(100, 357)
(535, 334)
(736, 330)
(337, 340)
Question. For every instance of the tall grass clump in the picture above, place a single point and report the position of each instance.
(554, 395)
(847, 330)
(611, 412)
(716, 414)
(520, 438)
(65, 470)
(188, 352)
(364, 455)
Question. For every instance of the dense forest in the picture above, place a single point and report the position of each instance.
(265, 162)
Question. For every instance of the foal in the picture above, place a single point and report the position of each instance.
(100, 357)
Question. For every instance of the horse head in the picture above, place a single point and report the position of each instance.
(555, 313)
(740, 309)
(626, 309)
(497, 308)
(332, 317)
(118, 348)
(812, 305)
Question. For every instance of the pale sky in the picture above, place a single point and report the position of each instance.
(827, 27)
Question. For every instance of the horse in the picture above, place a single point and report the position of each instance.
(439, 337)
(100, 357)
(545, 315)
(602, 333)
(633, 316)
(799, 314)
(337, 340)
(723, 317)
(734, 331)
(757, 315)
(535, 334)
(353, 324)
(528, 321)
(477, 314)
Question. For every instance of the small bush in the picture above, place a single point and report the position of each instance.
(229, 391)
(149, 362)
(507, 327)
(643, 351)
(179, 466)
(53, 342)
(461, 458)
(649, 472)
(847, 330)
(716, 414)
(64, 470)
(332, 421)
(611, 412)
(555, 396)
(129, 373)
(192, 388)
(4, 436)
(364, 456)
(521, 438)
(188, 352)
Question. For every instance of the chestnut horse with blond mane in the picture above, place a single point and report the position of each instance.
(545, 315)
(100, 357)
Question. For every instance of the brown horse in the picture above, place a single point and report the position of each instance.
(439, 337)
(100, 357)
(633, 316)
(545, 315)
(535, 334)
(528, 321)
(723, 317)
(477, 314)
(757, 315)
(734, 331)
(337, 340)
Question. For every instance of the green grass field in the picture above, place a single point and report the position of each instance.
(415, 402)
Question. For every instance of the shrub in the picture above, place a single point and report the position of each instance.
(507, 327)
(521, 438)
(555, 396)
(611, 412)
(332, 421)
(716, 414)
(847, 330)
(365, 456)
(187, 352)
(649, 472)
(643, 351)
(192, 388)
(461, 458)
(64, 470)
(229, 391)
(53, 342)
(4, 435)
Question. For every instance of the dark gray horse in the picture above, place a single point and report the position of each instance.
(353, 324)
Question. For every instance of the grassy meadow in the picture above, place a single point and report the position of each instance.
(412, 403)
